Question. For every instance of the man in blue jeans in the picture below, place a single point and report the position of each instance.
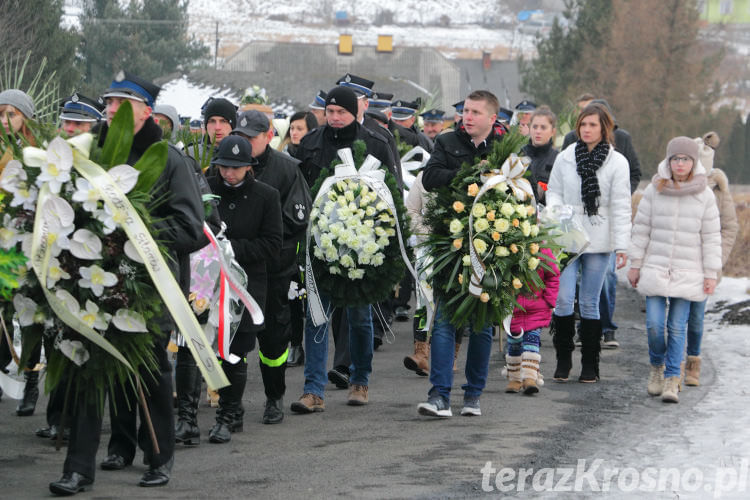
(359, 321)
(607, 305)
(473, 139)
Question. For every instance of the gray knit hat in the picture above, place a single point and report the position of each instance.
(683, 145)
(19, 100)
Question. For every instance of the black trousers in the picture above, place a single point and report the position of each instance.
(273, 340)
(86, 423)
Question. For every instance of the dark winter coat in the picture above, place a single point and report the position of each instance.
(318, 148)
(624, 146)
(252, 213)
(178, 215)
(372, 125)
(411, 136)
(282, 172)
(453, 149)
(542, 160)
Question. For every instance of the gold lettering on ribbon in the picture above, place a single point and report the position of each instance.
(161, 276)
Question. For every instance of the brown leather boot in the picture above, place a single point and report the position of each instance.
(693, 371)
(419, 362)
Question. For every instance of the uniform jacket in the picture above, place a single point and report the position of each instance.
(676, 239)
(542, 160)
(609, 230)
(252, 213)
(452, 150)
(318, 148)
(372, 125)
(537, 308)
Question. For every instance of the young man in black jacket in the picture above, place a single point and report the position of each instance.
(282, 172)
(473, 140)
(316, 152)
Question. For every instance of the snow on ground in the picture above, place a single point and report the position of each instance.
(188, 97)
(309, 21)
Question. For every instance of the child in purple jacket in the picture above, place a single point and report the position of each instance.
(523, 355)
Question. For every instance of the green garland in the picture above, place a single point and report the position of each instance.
(448, 245)
(379, 281)
(133, 291)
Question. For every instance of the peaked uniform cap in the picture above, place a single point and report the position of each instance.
(79, 108)
(129, 86)
(361, 86)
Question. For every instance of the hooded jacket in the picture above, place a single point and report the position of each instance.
(676, 240)
(609, 230)
(719, 183)
(537, 308)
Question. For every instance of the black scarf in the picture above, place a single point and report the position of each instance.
(587, 163)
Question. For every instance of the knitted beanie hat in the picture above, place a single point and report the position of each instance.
(19, 100)
(344, 97)
(683, 145)
(221, 107)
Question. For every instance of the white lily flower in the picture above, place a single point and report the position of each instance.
(13, 175)
(82, 143)
(129, 321)
(96, 279)
(9, 233)
(68, 300)
(25, 309)
(86, 245)
(74, 350)
(55, 273)
(125, 176)
(86, 194)
(132, 253)
(92, 317)
(55, 163)
(59, 216)
(25, 196)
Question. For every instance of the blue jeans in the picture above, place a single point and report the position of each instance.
(669, 351)
(316, 348)
(608, 295)
(443, 351)
(593, 268)
(695, 328)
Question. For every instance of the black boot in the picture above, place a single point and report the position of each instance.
(30, 394)
(188, 387)
(563, 342)
(274, 413)
(591, 336)
(230, 412)
(296, 356)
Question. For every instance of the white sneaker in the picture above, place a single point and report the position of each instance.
(436, 406)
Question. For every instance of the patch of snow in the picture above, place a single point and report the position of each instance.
(188, 97)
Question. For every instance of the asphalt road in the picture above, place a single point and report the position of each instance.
(384, 449)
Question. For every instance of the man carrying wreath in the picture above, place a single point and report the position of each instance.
(316, 152)
(179, 224)
(472, 140)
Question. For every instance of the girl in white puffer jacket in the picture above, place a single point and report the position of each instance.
(676, 256)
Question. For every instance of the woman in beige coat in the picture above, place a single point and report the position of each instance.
(719, 184)
(676, 258)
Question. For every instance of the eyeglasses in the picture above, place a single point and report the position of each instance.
(681, 159)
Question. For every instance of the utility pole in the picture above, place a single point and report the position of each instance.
(216, 48)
